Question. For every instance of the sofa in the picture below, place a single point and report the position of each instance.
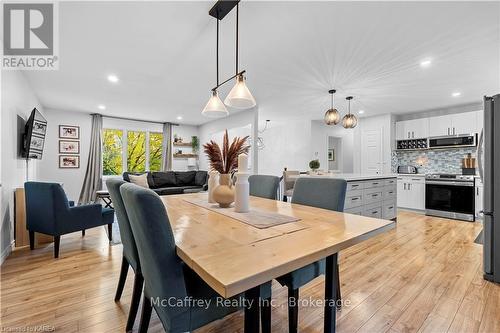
(174, 182)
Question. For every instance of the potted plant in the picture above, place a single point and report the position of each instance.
(314, 165)
(225, 161)
(195, 144)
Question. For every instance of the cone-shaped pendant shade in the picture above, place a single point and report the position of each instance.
(215, 108)
(240, 97)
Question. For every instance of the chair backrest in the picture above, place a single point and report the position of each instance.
(326, 193)
(46, 205)
(128, 241)
(161, 267)
(287, 182)
(264, 186)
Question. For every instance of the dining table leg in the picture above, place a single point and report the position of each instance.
(252, 310)
(330, 294)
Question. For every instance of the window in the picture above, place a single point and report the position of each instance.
(133, 151)
(112, 158)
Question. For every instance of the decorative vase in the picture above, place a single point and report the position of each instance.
(242, 193)
(224, 193)
(213, 182)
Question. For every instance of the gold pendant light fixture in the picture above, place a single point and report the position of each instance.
(332, 116)
(349, 120)
(239, 97)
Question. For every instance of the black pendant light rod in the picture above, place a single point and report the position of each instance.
(217, 53)
(349, 99)
(331, 92)
(237, 34)
(229, 79)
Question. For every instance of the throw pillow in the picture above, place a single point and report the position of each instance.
(141, 180)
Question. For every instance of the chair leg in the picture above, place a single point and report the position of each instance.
(83, 233)
(338, 297)
(265, 315)
(134, 303)
(146, 314)
(110, 231)
(293, 310)
(122, 279)
(32, 240)
(285, 199)
(57, 241)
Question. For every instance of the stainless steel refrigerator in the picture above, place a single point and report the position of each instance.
(489, 170)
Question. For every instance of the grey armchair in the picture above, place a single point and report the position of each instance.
(321, 193)
(165, 275)
(130, 255)
(49, 212)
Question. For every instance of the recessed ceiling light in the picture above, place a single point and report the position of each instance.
(361, 111)
(425, 63)
(179, 117)
(113, 78)
(101, 107)
(456, 94)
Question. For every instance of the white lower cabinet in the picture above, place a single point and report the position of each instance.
(373, 198)
(411, 192)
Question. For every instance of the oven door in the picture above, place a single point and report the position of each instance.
(450, 199)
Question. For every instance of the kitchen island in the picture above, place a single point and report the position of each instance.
(368, 195)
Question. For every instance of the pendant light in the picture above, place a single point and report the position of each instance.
(239, 97)
(215, 108)
(332, 116)
(349, 120)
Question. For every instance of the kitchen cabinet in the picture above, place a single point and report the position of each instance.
(373, 198)
(411, 192)
(412, 129)
(478, 198)
(453, 124)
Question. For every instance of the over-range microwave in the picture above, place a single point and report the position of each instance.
(455, 141)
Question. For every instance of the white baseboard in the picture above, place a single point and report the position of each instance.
(6, 252)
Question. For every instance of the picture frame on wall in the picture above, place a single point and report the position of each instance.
(69, 147)
(69, 161)
(331, 155)
(69, 132)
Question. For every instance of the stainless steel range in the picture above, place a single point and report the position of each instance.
(450, 196)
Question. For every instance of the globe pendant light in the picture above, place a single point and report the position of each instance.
(349, 120)
(332, 116)
(215, 108)
(239, 97)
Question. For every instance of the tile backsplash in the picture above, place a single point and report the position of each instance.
(433, 161)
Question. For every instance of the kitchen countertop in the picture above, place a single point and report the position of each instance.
(351, 176)
(412, 174)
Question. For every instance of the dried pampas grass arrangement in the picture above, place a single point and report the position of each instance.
(225, 161)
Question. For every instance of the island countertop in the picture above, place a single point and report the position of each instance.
(350, 176)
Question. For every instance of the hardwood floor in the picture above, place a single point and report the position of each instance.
(424, 276)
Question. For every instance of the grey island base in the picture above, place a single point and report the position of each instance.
(369, 195)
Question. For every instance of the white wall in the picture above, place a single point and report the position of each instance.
(72, 179)
(236, 120)
(18, 99)
(319, 145)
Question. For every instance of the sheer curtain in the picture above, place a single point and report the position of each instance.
(93, 174)
(166, 153)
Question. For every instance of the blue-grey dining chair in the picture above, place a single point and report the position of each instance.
(49, 212)
(321, 193)
(166, 277)
(130, 255)
(264, 186)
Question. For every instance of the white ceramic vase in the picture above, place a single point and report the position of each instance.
(242, 193)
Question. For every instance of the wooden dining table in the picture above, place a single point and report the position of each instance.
(233, 257)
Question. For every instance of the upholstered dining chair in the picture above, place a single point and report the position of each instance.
(166, 277)
(49, 212)
(130, 255)
(288, 183)
(264, 186)
(321, 193)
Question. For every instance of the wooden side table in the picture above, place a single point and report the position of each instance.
(20, 232)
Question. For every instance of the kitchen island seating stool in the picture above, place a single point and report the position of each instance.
(165, 275)
(321, 193)
(49, 212)
(130, 255)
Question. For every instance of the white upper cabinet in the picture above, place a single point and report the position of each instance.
(453, 124)
(412, 129)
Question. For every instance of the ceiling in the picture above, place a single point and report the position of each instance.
(164, 55)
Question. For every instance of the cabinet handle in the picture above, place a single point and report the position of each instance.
(374, 195)
(453, 130)
(408, 135)
(352, 199)
(375, 212)
(477, 190)
(412, 135)
(416, 179)
(391, 207)
(405, 185)
(448, 131)
(409, 188)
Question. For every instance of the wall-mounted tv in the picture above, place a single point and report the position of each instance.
(34, 135)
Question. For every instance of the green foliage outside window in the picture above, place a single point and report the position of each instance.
(136, 151)
(112, 159)
(155, 148)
